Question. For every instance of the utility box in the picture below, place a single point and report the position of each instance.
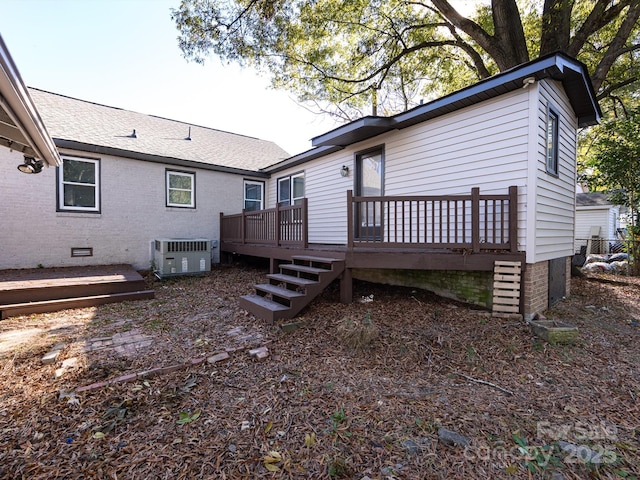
(182, 256)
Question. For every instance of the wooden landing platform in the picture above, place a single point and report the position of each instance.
(50, 289)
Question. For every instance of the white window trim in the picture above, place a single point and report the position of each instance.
(192, 190)
(555, 142)
(292, 199)
(244, 193)
(61, 183)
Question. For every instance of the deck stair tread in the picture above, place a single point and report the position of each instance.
(311, 258)
(302, 282)
(307, 288)
(304, 269)
(263, 307)
(279, 291)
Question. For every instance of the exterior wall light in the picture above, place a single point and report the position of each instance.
(31, 165)
(344, 171)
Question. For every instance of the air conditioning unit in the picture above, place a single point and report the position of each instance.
(182, 256)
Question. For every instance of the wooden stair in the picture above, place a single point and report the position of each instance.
(289, 291)
(41, 291)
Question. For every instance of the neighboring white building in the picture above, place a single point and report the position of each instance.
(596, 217)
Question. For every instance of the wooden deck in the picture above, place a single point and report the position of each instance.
(450, 232)
(50, 289)
(447, 233)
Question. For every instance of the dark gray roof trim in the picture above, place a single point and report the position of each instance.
(302, 158)
(21, 127)
(117, 152)
(558, 66)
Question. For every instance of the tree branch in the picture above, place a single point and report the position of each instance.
(616, 46)
(598, 18)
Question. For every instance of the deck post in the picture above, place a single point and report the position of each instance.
(346, 286)
(221, 227)
(305, 222)
(278, 225)
(242, 227)
(350, 220)
(475, 219)
(513, 218)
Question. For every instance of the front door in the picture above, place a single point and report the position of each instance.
(369, 183)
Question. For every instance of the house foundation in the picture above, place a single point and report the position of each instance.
(537, 282)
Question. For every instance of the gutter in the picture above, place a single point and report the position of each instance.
(17, 103)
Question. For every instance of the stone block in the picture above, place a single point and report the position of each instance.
(218, 357)
(255, 351)
(451, 438)
(51, 357)
(553, 331)
(291, 327)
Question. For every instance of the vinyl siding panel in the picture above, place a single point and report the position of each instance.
(555, 195)
(485, 145)
(604, 217)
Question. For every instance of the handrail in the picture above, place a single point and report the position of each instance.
(283, 225)
(476, 222)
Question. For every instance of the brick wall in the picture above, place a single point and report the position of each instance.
(536, 288)
(133, 213)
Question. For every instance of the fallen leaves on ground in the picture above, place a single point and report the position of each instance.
(316, 408)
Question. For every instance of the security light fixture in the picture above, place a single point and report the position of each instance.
(344, 171)
(31, 165)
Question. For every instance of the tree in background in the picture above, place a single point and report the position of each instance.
(614, 166)
(354, 57)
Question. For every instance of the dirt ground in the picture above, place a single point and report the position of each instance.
(513, 406)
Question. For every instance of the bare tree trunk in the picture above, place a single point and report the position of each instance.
(556, 26)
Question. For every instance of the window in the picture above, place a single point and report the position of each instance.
(181, 189)
(79, 185)
(291, 189)
(552, 142)
(253, 195)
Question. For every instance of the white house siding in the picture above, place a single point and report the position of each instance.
(484, 145)
(554, 196)
(605, 217)
(133, 213)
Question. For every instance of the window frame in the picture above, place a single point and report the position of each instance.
(246, 183)
(182, 173)
(552, 141)
(291, 200)
(60, 186)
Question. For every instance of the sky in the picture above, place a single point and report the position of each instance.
(124, 53)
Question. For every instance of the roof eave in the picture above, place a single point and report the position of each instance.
(301, 158)
(147, 157)
(27, 128)
(572, 73)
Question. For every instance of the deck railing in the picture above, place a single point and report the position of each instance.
(476, 222)
(279, 226)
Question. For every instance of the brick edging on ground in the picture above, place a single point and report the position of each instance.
(259, 353)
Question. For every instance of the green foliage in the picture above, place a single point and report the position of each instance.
(614, 164)
(355, 57)
(537, 459)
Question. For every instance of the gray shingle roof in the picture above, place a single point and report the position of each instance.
(592, 199)
(79, 121)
